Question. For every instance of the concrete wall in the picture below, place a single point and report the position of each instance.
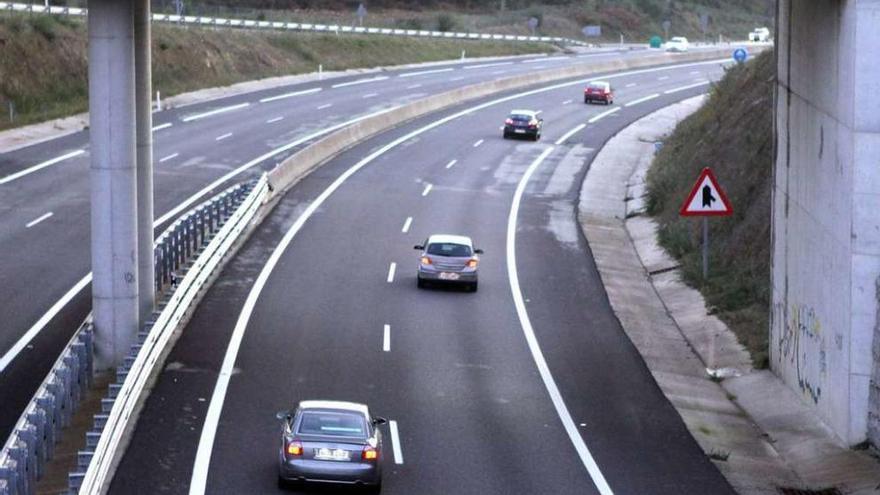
(826, 207)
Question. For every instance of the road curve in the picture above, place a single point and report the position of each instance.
(462, 374)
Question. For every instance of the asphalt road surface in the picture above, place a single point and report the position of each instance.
(527, 386)
(44, 200)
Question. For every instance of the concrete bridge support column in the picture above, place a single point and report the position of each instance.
(826, 209)
(113, 178)
(144, 90)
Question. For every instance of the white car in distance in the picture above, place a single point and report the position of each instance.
(677, 44)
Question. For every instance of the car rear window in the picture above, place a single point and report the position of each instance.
(449, 249)
(520, 117)
(339, 424)
(599, 86)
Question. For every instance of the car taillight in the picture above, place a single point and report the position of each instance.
(508, 122)
(295, 448)
(533, 123)
(472, 263)
(426, 260)
(369, 453)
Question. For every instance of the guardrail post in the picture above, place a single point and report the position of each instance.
(37, 418)
(9, 473)
(46, 403)
(16, 453)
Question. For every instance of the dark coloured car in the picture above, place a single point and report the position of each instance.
(600, 91)
(525, 123)
(330, 441)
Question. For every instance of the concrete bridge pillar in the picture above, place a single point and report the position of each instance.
(826, 210)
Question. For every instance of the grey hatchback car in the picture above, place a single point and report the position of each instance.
(449, 259)
(330, 441)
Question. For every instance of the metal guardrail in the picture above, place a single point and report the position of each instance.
(295, 26)
(205, 233)
(105, 443)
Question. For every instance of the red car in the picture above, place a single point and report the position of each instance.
(599, 91)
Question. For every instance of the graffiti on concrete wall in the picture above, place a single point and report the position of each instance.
(801, 346)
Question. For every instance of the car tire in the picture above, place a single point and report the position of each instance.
(506, 135)
(374, 489)
(473, 287)
(285, 484)
(586, 101)
(420, 283)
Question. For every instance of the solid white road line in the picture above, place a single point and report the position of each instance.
(169, 157)
(38, 326)
(216, 112)
(569, 134)
(642, 100)
(662, 78)
(422, 72)
(386, 338)
(602, 115)
(406, 225)
(543, 59)
(276, 119)
(481, 66)
(478, 143)
(360, 81)
(427, 189)
(451, 163)
(414, 86)
(38, 220)
(631, 85)
(685, 88)
(215, 408)
(395, 442)
(391, 269)
(534, 347)
(160, 127)
(40, 166)
(370, 95)
(291, 95)
(225, 136)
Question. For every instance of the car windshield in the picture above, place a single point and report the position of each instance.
(339, 424)
(449, 249)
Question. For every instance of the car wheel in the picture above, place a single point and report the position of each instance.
(586, 101)
(474, 287)
(420, 283)
(506, 136)
(375, 489)
(285, 484)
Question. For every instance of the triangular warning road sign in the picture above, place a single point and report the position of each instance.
(706, 198)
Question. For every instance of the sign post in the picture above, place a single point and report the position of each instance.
(706, 199)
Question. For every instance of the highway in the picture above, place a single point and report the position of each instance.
(527, 386)
(44, 200)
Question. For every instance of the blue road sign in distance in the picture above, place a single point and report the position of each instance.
(740, 55)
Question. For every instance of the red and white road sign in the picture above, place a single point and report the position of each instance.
(706, 198)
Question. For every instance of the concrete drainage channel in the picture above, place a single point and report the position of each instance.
(201, 253)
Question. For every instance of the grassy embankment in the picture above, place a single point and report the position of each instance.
(43, 68)
(637, 20)
(732, 134)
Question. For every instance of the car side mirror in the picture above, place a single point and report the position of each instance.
(420, 248)
(282, 415)
(478, 251)
(379, 420)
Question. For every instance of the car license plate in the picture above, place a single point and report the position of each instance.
(520, 131)
(450, 276)
(332, 454)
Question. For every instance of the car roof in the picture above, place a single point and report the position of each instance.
(523, 112)
(335, 404)
(678, 38)
(451, 239)
(606, 83)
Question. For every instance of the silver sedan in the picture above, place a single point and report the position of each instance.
(330, 441)
(448, 259)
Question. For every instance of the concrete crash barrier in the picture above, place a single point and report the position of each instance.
(298, 165)
(289, 26)
(106, 443)
(32, 441)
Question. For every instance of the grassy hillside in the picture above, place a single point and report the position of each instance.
(43, 68)
(637, 20)
(732, 134)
